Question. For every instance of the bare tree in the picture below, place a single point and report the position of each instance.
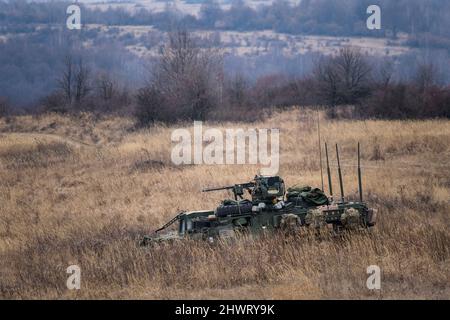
(150, 106)
(354, 72)
(4, 107)
(65, 82)
(106, 86)
(75, 80)
(343, 79)
(237, 89)
(327, 81)
(385, 73)
(426, 76)
(82, 81)
(179, 57)
(188, 77)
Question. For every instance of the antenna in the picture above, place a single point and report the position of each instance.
(320, 148)
(341, 184)
(330, 186)
(359, 175)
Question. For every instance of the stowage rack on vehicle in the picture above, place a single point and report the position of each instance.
(234, 207)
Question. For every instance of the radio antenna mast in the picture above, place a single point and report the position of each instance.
(330, 186)
(341, 183)
(320, 148)
(359, 175)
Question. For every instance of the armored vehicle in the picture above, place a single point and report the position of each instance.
(270, 207)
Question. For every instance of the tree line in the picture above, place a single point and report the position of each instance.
(420, 19)
(188, 82)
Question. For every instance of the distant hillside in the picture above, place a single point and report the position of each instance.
(257, 38)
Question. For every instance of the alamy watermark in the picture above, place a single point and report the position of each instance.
(374, 20)
(74, 280)
(73, 21)
(231, 146)
(374, 280)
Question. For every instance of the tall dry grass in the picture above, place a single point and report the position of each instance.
(83, 190)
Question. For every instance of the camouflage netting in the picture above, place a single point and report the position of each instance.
(350, 218)
(290, 222)
(307, 195)
(315, 218)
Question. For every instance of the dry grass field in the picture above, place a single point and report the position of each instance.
(80, 190)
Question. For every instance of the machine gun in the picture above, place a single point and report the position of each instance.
(237, 189)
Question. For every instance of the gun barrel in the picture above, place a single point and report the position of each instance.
(243, 185)
(216, 189)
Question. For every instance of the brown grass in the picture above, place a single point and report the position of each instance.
(82, 191)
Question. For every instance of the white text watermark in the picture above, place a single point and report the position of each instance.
(374, 280)
(74, 280)
(73, 21)
(374, 21)
(231, 146)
